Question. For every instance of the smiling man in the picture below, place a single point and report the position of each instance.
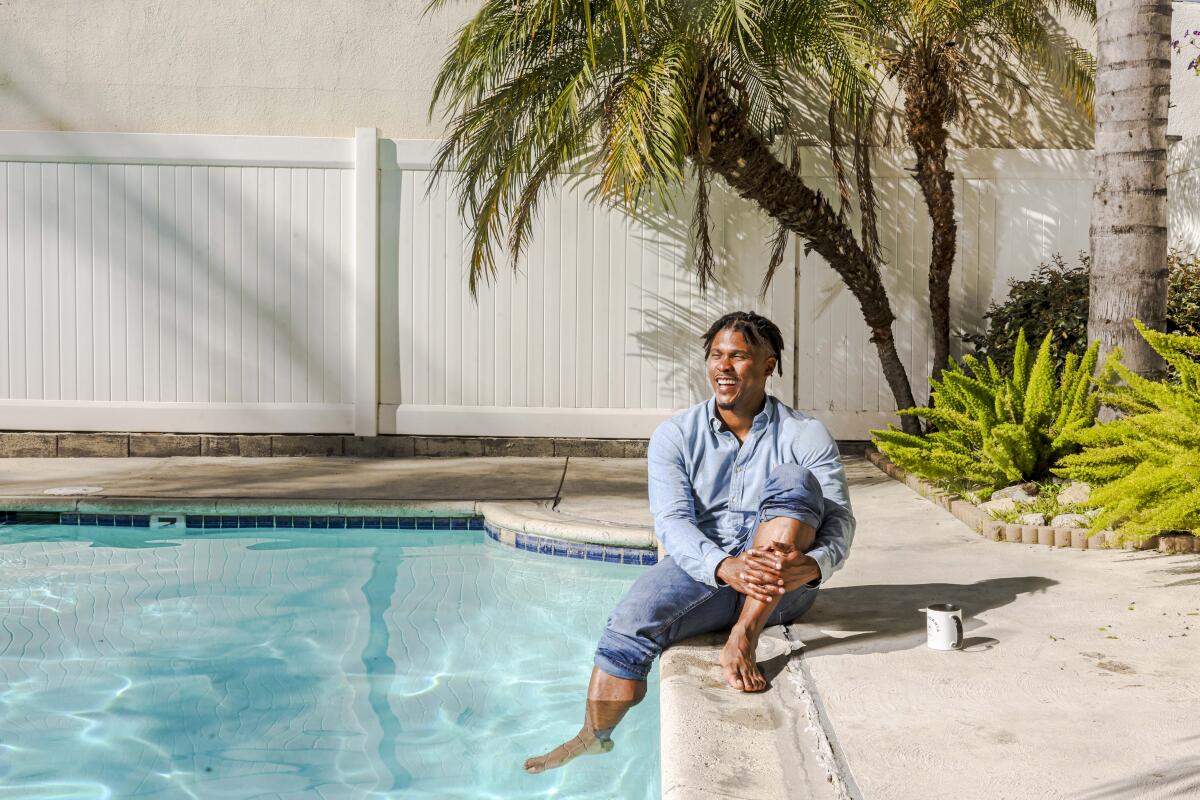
(750, 502)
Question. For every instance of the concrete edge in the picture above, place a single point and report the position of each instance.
(999, 531)
(538, 519)
(717, 743)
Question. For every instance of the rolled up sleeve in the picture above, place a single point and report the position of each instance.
(673, 505)
(819, 453)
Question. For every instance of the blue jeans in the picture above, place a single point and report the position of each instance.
(665, 604)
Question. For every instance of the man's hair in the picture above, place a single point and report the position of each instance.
(758, 330)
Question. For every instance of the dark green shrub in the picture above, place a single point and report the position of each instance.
(1055, 298)
(1183, 294)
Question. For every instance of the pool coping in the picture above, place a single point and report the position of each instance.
(718, 743)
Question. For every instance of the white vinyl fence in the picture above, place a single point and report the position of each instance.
(279, 284)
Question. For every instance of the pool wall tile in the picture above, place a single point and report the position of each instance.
(543, 545)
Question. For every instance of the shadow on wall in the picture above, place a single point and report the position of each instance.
(675, 312)
(226, 284)
(886, 618)
(1183, 186)
(1007, 110)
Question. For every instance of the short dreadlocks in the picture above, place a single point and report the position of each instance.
(758, 330)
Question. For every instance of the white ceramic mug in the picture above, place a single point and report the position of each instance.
(943, 626)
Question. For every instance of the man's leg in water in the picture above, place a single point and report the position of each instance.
(663, 605)
(788, 518)
(608, 699)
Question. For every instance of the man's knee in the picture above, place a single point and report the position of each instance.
(792, 490)
(791, 478)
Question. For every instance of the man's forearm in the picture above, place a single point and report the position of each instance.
(692, 551)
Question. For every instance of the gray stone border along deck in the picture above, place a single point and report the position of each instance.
(37, 444)
(999, 531)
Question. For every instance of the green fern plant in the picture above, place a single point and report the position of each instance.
(993, 429)
(1145, 467)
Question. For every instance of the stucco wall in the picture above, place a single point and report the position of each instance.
(1184, 115)
(271, 67)
(321, 67)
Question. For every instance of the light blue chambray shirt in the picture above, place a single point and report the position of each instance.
(705, 489)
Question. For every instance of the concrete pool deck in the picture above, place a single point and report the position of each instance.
(1078, 679)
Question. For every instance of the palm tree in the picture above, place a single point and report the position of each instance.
(637, 91)
(1129, 203)
(940, 52)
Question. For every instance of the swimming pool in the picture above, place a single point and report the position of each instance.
(297, 663)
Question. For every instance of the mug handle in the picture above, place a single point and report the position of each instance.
(958, 632)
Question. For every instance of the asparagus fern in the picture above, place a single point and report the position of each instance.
(994, 429)
(1146, 465)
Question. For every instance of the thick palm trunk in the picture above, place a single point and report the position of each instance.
(926, 110)
(1129, 203)
(747, 164)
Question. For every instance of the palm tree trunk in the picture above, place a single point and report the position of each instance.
(1129, 203)
(926, 111)
(747, 164)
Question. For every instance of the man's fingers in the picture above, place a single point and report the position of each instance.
(768, 578)
(760, 557)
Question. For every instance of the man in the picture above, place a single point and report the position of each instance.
(751, 504)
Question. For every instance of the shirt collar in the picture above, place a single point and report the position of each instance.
(764, 417)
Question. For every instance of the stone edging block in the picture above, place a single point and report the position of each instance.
(998, 531)
(38, 444)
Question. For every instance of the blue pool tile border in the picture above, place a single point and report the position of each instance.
(564, 548)
(544, 545)
(214, 521)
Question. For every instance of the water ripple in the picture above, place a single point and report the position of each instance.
(301, 664)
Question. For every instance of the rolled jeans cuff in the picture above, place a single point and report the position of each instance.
(805, 515)
(620, 657)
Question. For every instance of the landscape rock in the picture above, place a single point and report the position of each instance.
(999, 506)
(1070, 521)
(1032, 519)
(1021, 492)
(1092, 513)
(1077, 492)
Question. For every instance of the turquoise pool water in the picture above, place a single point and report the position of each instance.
(289, 664)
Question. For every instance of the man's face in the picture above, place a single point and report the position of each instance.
(738, 372)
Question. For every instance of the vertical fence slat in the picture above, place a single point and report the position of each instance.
(366, 282)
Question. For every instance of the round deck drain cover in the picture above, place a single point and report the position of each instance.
(74, 490)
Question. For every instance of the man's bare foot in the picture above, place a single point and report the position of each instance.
(737, 659)
(584, 743)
